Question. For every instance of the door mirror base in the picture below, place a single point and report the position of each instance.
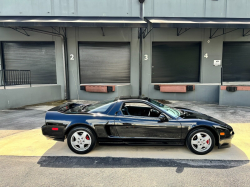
(163, 118)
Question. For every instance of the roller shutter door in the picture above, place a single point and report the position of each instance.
(175, 62)
(39, 57)
(236, 61)
(104, 62)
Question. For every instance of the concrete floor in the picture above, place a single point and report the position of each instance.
(27, 158)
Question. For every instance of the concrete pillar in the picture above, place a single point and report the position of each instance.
(60, 66)
(74, 82)
(134, 66)
(213, 48)
(146, 63)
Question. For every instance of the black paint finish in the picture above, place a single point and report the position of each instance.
(112, 126)
(147, 127)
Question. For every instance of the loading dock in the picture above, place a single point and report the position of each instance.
(37, 57)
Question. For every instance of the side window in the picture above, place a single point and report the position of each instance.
(139, 109)
(101, 109)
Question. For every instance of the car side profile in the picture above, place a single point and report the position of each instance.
(134, 121)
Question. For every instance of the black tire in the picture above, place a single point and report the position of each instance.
(81, 129)
(192, 135)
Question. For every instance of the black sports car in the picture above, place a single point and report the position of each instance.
(137, 121)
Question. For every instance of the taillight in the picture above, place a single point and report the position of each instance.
(54, 129)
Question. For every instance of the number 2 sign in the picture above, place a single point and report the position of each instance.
(72, 57)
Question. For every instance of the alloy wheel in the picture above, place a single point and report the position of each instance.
(80, 140)
(201, 142)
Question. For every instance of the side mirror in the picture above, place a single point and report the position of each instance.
(163, 118)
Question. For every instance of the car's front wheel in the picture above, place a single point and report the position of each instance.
(200, 141)
(81, 140)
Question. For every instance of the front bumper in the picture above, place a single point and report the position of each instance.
(50, 132)
(225, 142)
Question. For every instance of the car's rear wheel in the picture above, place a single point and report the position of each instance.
(81, 140)
(200, 141)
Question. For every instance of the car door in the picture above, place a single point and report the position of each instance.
(130, 126)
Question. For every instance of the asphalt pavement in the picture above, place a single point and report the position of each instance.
(27, 158)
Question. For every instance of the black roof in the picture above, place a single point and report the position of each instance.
(132, 97)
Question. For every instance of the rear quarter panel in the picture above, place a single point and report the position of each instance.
(95, 122)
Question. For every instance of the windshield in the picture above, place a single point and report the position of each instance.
(99, 107)
(171, 111)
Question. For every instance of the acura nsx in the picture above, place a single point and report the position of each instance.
(134, 121)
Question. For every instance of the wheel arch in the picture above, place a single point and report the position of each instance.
(213, 131)
(80, 125)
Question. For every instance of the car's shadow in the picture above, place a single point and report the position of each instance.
(59, 156)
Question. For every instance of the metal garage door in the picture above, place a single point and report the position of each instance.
(236, 61)
(175, 62)
(39, 57)
(104, 62)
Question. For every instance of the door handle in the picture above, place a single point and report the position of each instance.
(127, 123)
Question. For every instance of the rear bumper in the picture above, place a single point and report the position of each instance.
(226, 142)
(54, 132)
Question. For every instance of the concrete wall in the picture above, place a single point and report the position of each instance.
(7, 34)
(76, 35)
(28, 96)
(84, 34)
(127, 8)
(197, 8)
(120, 8)
(209, 74)
(238, 98)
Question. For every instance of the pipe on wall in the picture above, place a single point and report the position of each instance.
(140, 49)
(66, 65)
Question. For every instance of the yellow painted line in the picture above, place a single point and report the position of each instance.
(27, 143)
(5, 133)
(33, 143)
(242, 137)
